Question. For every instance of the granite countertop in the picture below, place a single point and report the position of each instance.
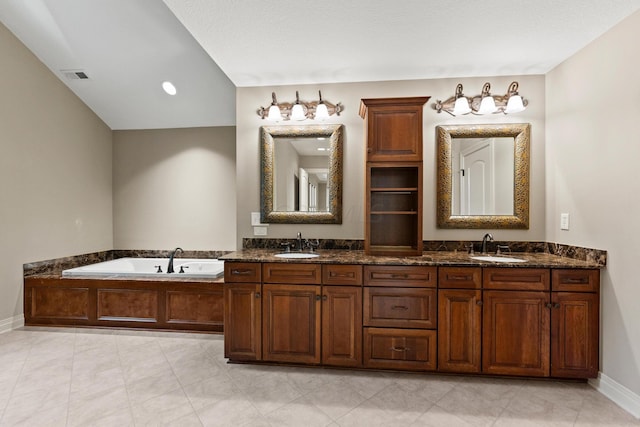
(432, 258)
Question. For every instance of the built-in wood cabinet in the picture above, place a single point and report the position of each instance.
(575, 321)
(400, 317)
(393, 218)
(460, 319)
(533, 322)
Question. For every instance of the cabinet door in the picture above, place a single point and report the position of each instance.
(574, 334)
(459, 330)
(394, 128)
(242, 319)
(291, 323)
(342, 325)
(516, 333)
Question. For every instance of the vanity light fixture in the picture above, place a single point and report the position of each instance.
(485, 103)
(300, 110)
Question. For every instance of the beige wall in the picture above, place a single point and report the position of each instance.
(55, 171)
(248, 161)
(592, 163)
(174, 187)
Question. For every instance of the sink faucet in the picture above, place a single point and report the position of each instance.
(173, 254)
(299, 238)
(487, 237)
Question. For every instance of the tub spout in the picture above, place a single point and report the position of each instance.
(173, 254)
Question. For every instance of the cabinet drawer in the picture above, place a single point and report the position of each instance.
(242, 272)
(340, 274)
(410, 349)
(460, 277)
(575, 280)
(400, 307)
(516, 279)
(400, 275)
(300, 274)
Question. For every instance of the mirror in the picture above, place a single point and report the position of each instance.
(483, 176)
(301, 181)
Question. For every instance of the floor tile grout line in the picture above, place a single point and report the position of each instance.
(73, 362)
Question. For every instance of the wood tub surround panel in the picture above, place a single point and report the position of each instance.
(145, 304)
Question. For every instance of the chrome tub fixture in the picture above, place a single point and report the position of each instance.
(299, 110)
(482, 104)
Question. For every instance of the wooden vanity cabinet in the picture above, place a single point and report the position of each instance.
(242, 311)
(460, 319)
(575, 323)
(393, 205)
(400, 317)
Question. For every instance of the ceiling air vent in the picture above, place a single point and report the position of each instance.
(75, 74)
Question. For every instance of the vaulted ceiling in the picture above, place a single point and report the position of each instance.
(206, 48)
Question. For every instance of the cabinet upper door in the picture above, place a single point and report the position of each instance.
(394, 128)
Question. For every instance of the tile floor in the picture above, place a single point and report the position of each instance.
(86, 377)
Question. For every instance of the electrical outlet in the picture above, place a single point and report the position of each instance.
(259, 231)
(564, 221)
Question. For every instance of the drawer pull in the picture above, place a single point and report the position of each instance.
(399, 349)
(242, 272)
(399, 307)
(399, 276)
(578, 280)
(349, 275)
(459, 277)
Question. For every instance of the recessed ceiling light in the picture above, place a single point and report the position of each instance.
(169, 88)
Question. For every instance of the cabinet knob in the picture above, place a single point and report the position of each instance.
(479, 302)
(556, 305)
(257, 295)
(549, 305)
(324, 298)
(318, 297)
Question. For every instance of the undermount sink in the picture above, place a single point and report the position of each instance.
(297, 255)
(492, 258)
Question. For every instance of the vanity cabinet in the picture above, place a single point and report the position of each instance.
(400, 317)
(514, 321)
(298, 313)
(242, 311)
(575, 322)
(393, 218)
(460, 319)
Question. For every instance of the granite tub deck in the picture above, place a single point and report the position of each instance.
(430, 258)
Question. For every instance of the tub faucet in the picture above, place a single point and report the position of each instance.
(487, 237)
(173, 254)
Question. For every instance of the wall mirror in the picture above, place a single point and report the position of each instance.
(301, 180)
(483, 176)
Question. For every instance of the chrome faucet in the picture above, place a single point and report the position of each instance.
(299, 238)
(173, 254)
(487, 237)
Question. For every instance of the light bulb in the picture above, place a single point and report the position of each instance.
(514, 105)
(487, 105)
(274, 113)
(461, 106)
(322, 112)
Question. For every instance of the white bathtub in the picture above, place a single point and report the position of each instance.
(148, 267)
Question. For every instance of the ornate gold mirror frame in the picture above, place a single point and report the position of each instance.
(521, 132)
(335, 134)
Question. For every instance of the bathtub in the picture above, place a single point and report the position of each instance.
(148, 268)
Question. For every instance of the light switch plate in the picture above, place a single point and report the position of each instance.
(259, 231)
(255, 218)
(564, 221)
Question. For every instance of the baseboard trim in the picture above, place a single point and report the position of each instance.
(619, 394)
(11, 323)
